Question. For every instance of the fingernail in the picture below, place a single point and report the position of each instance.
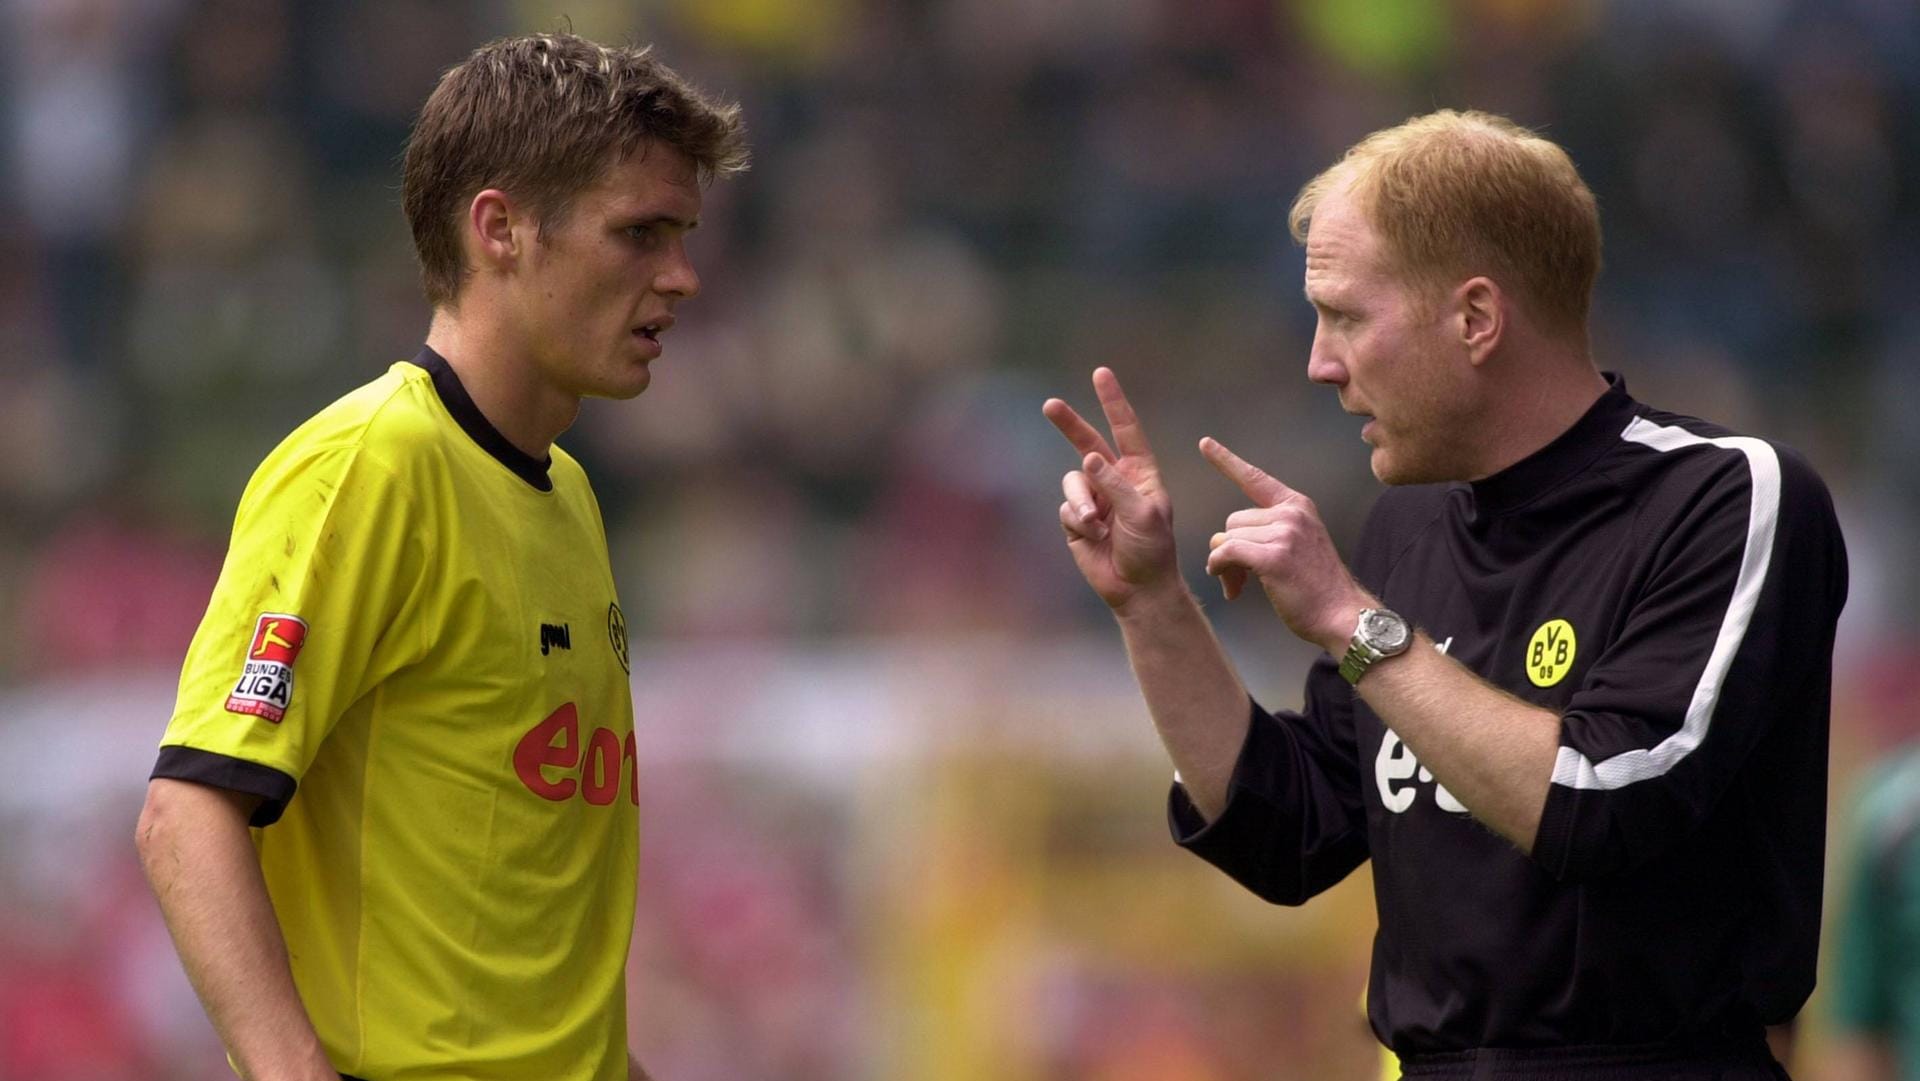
(1096, 465)
(1086, 512)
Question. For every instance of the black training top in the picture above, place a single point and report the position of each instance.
(1670, 589)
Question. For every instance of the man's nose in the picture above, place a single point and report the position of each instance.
(677, 278)
(1323, 366)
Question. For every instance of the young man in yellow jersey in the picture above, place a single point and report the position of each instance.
(392, 826)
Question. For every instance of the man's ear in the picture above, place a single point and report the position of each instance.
(1480, 315)
(491, 218)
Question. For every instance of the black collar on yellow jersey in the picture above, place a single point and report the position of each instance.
(475, 423)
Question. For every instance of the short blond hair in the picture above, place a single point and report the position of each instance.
(1455, 194)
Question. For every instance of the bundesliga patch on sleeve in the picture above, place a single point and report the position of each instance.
(266, 681)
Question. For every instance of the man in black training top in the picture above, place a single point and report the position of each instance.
(1575, 692)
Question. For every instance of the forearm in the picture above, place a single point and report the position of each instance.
(201, 863)
(1492, 751)
(1195, 697)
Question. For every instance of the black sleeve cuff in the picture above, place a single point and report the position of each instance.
(1286, 832)
(1190, 828)
(273, 787)
(1183, 818)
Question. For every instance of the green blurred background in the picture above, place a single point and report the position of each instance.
(902, 810)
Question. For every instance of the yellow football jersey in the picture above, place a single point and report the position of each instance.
(416, 625)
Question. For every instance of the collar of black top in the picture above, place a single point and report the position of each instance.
(1576, 448)
(446, 382)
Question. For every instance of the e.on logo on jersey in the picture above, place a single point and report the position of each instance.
(266, 677)
(1395, 771)
(551, 761)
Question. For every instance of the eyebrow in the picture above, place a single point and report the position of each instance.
(665, 219)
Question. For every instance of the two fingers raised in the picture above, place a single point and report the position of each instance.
(1128, 436)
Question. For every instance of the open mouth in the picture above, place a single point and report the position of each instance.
(652, 331)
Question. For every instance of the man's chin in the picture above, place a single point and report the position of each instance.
(1383, 466)
(630, 385)
(1392, 470)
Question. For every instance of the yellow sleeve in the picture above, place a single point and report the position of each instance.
(317, 603)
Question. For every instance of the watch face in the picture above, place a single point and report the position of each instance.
(1385, 631)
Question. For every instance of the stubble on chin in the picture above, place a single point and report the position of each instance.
(1400, 465)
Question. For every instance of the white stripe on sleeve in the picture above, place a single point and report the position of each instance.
(1574, 769)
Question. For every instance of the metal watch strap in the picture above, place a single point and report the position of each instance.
(1360, 657)
(1369, 646)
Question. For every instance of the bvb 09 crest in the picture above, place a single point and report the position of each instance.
(617, 635)
(1550, 653)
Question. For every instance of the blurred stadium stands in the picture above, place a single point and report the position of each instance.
(901, 806)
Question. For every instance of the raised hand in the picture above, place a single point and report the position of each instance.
(1116, 514)
(1281, 541)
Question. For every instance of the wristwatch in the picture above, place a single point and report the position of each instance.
(1380, 634)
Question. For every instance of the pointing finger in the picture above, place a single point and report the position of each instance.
(1085, 437)
(1259, 486)
(1128, 435)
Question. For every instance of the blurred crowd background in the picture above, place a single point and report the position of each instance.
(902, 809)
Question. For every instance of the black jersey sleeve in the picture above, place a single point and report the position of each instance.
(1723, 657)
(1293, 825)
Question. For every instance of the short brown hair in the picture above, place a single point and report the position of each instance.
(1461, 193)
(539, 117)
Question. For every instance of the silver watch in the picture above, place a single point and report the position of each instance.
(1379, 634)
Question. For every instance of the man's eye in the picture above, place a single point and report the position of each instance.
(645, 234)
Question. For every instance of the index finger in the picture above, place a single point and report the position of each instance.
(1261, 487)
(1127, 433)
(1085, 437)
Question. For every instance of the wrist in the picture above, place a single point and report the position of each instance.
(1380, 634)
(1338, 631)
(1155, 602)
